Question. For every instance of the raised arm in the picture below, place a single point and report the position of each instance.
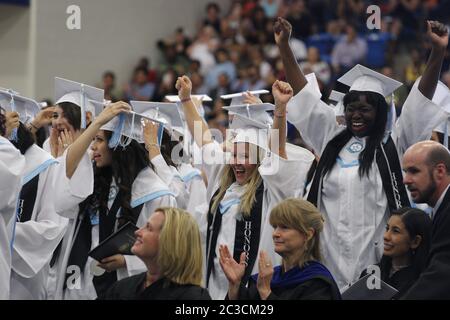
(191, 115)
(294, 75)
(79, 146)
(282, 92)
(438, 34)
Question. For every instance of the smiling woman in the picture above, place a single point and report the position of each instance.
(407, 242)
(358, 180)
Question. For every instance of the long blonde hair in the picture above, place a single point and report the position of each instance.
(180, 254)
(300, 215)
(249, 196)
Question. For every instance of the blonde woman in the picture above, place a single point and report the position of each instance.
(243, 188)
(297, 225)
(169, 245)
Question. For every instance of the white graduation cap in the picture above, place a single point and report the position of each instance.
(361, 78)
(166, 113)
(255, 113)
(126, 126)
(251, 123)
(312, 79)
(88, 98)
(238, 98)
(26, 108)
(337, 97)
(201, 97)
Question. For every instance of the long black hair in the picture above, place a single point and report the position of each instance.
(417, 223)
(167, 147)
(366, 157)
(2, 124)
(25, 139)
(126, 164)
(72, 113)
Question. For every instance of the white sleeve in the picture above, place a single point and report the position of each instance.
(12, 164)
(134, 264)
(36, 240)
(314, 119)
(284, 178)
(418, 119)
(214, 160)
(170, 176)
(71, 192)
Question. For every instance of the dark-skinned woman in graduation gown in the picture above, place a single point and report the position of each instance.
(169, 245)
(297, 225)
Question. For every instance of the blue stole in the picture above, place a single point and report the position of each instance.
(297, 275)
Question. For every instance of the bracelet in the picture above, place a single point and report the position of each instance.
(185, 100)
(31, 124)
(148, 146)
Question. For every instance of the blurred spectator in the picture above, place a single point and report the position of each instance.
(410, 13)
(109, 85)
(181, 42)
(270, 7)
(314, 64)
(223, 65)
(232, 21)
(170, 59)
(348, 51)
(198, 85)
(300, 19)
(167, 85)
(203, 47)
(139, 88)
(415, 68)
(213, 16)
(145, 63)
(223, 86)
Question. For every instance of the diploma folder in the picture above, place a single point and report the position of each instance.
(361, 291)
(120, 242)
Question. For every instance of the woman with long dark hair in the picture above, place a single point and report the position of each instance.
(407, 242)
(38, 228)
(126, 189)
(358, 180)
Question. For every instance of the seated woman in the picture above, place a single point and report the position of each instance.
(169, 245)
(406, 245)
(297, 225)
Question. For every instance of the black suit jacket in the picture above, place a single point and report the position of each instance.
(434, 282)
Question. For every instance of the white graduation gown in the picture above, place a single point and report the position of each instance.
(279, 184)
(35, 240)
(355, 209)
(171, 177)
(147, 189)
(197, 203)
(12, 164)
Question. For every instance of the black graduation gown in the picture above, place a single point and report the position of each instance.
(314, 289)
(434, 282)
(163, 289)
(401, 280)
(311, 282)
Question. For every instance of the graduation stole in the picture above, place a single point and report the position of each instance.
(27, 200)
(247, 235)
(82, 242)
(386, 157)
